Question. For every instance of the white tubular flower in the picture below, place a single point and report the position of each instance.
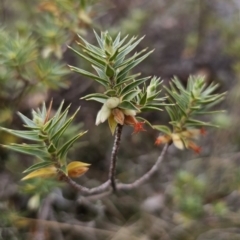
(103, 114)
(112, 102)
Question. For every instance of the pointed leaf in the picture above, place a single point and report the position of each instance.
(132, 65)
(130, 95)
(43, 172)
(127, 105)
(65, 148)
(38, 166)
(133, 85)
(162, 128)
(63, 128)
(28, 149)
(90, 75)
(30, 135)
(28, 121)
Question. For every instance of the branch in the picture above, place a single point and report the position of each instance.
(105, 187)
(116, 145)
(146, 176)
(84, 190)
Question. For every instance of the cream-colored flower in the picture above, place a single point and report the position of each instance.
(129, 112)
(112, 102)
(177, 141)
(103, 114)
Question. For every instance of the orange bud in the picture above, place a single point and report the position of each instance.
(76, 169)
(130, 120)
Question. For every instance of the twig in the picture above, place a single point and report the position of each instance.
(120, 186)
(116, 145)
(146, 176)
(84, 190)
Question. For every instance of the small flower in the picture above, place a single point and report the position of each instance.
(193, 133)
(106, 110)
(103, 114)
(131, 120)
(183, 139)
(194, 147)
(138, 127)
(163, 139)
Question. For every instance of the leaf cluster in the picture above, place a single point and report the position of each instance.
(189, 103)
(113, 62)
(50, 144)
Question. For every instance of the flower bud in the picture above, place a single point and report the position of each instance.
(112, 102)
(129, 112)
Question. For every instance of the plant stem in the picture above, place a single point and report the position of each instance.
(104, 188)
(146, 176)
(116, 145)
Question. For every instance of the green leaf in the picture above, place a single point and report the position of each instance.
(28, 121)
(117, 40)
(120, 43)
(100, 73)
(91, 47)
(38, 166)
(90, 75)
(162, 128)
(127, 79)
(30, 135)
(150, 108)
(195, 123)
(130, 95)
(65, 148)
(99, 40)
(57, 122)
(99, 97)
(130, 60)
(209, 112)
(55, 137)
(29, 149)
(128, 48)
(132, 65)
(133, 85)
(143, 99)
(127, 105)
(109, 71)
(92, 61)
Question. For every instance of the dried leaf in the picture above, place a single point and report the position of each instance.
(118, 116)
(43, 172)
(112, 124)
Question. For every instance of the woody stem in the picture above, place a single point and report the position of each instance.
(116, 145)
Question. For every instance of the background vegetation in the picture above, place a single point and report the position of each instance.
(192, 196)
